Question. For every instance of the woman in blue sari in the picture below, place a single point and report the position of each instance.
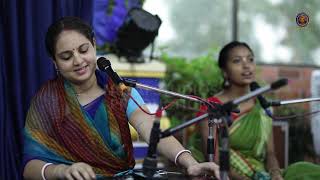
(77, 123)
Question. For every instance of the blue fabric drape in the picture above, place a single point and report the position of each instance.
(108, 16)
(24, 66)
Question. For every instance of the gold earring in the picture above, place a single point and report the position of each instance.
(226, 83)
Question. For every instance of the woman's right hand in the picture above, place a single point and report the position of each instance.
(76, 171)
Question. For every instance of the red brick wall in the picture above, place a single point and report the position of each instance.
(299, 87)
(299, 81)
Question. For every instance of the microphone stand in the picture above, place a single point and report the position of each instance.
(211, 133)
(293, 101)
(224, 150)
(219, 113)
(223, 113)
(216, 115)
(134, 84)
(226, 108)
(149, 166)
(228, 105)
(211, 121)
(150, 161)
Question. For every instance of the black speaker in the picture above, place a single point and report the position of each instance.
(138, 30)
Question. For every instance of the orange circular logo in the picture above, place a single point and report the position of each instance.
(302, 19)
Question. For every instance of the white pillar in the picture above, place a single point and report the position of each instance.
(315, 106)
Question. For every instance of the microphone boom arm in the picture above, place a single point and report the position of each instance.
(171, 93)
(293, 101)
(228, 106)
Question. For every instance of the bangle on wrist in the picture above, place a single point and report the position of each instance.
(43, 170)
(179, 153)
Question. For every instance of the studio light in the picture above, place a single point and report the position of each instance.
(137, 32)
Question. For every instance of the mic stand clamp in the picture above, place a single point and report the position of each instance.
(212, 120)
(220, 114)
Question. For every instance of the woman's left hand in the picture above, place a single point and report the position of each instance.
(206, 168)
(276, 174)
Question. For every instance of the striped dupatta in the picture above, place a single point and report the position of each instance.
(58, 130)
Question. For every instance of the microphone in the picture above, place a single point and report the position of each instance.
(149, 165)
(273, 86)
(263, 101)
(266, 104)
(105, 66)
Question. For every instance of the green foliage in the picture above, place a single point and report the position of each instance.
(199, 77)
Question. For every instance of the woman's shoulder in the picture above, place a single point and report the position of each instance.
(214, 99)
(47, 90)
(218, 98)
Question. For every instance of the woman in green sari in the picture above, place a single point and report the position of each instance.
(251, 139)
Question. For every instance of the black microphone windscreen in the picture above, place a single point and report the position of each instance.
(254, 85)
(279, 83)
(103, 63)
(263, 102)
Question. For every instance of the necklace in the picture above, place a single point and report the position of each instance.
(94, 93)
(87, 89)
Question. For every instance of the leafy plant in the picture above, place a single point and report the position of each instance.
(200, 77)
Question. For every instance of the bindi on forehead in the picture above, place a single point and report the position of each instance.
(82, 48)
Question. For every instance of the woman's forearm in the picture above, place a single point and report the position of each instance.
(169, 147)
(272, 165)
(272, 161)
(33, 170)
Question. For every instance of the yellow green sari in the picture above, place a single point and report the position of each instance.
(248, 136)
(248, 141)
